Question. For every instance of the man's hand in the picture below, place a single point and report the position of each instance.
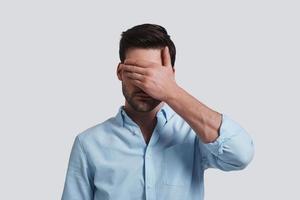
(158, 81)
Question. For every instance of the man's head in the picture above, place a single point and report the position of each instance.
(146, 36)
(143, 42)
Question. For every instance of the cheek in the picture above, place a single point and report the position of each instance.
(129, 86)
(127, 81)
(125, 78)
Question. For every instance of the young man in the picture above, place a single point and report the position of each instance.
(161, 141)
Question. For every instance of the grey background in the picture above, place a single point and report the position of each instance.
(57, 78)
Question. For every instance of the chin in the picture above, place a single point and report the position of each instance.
(144, 106)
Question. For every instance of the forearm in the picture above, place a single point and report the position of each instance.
(203, 120)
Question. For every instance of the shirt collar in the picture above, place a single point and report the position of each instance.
(165, 112)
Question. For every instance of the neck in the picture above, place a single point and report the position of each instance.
(143, 119)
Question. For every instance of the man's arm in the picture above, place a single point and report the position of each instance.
(222, 142)
(204, 121)
(78, 183)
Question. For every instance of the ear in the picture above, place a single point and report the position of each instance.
(119, 72)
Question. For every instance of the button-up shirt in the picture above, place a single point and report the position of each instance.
(111, 160)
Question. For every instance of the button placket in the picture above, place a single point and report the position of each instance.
(149, 179)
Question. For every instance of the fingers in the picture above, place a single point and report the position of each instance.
(166, 58)
(133, 69)
(138, 83)
(133, 72)
(134, 76)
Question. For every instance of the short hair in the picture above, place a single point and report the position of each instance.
(147, 36)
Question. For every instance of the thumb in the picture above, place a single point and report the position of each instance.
(166, 58)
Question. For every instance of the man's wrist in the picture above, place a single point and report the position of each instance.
(173, 94)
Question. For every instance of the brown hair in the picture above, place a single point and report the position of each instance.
(146, 36)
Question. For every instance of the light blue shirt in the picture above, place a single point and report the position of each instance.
(111, 161)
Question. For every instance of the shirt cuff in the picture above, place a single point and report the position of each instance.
(227, 130)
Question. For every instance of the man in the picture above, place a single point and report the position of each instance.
(161, 141)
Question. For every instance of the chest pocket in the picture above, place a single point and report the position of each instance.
(178, 164)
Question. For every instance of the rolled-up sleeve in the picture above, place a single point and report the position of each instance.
(232, 150)
(78, 182)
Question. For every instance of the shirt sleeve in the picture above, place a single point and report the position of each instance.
(78, 182)
(232, 150)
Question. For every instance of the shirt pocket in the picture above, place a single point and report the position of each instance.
(177, 166)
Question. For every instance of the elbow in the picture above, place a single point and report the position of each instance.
(243, 162)
(238, 153)
(237, 146)
(243, 158)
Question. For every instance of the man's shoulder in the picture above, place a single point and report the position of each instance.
(99, 130)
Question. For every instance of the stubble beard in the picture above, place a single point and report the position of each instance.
(139, 105)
